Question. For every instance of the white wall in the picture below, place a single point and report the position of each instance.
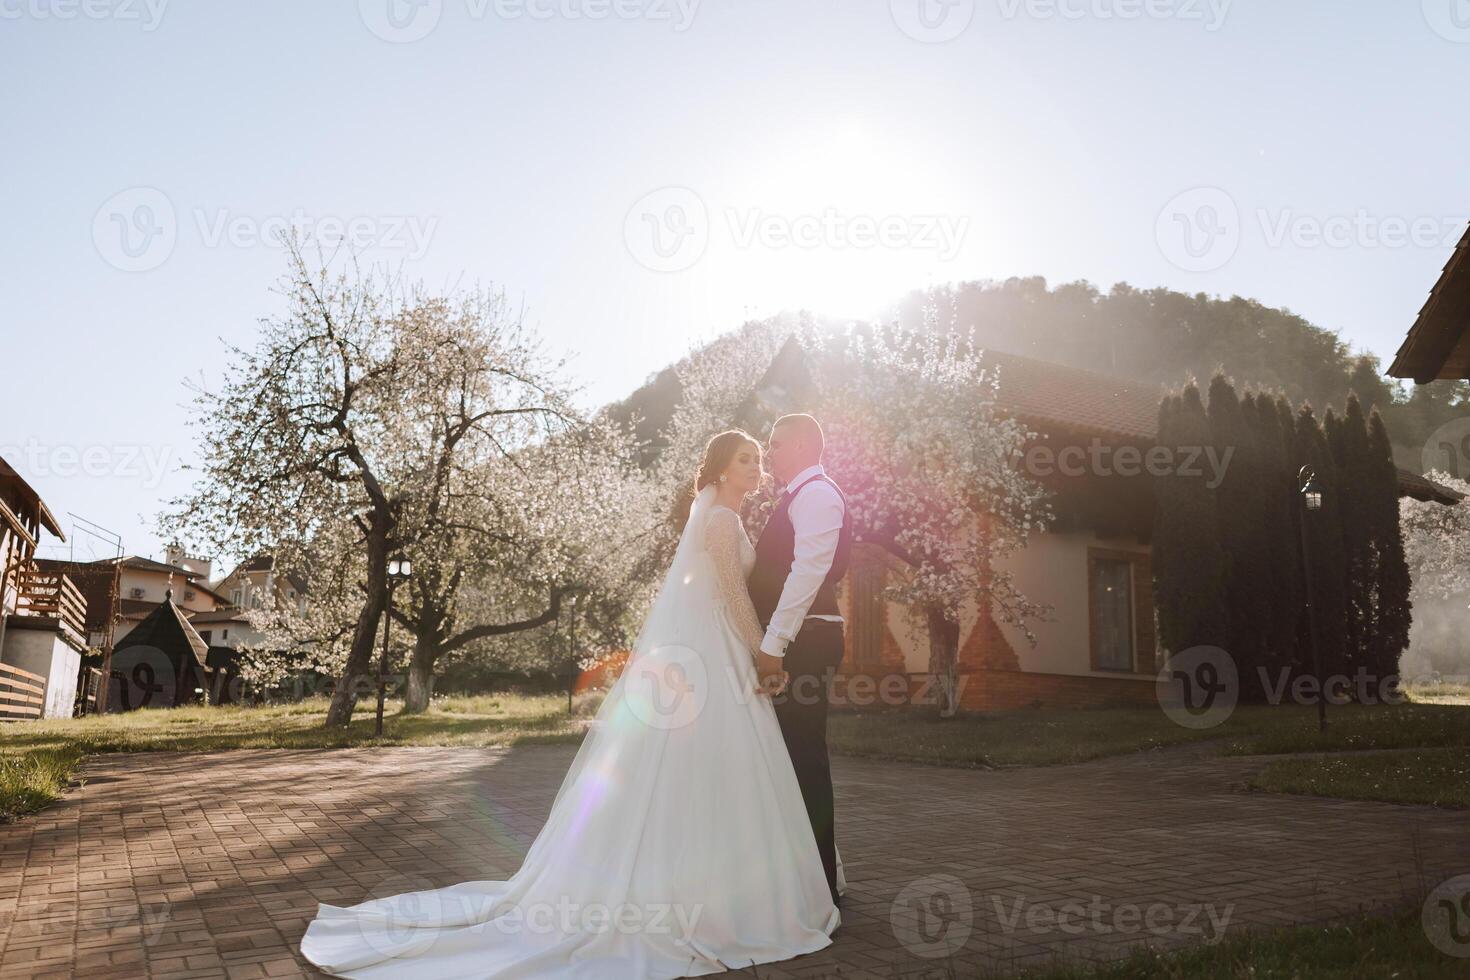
(155, 586)
(1051, 569)
(241, 634)
(46, 653)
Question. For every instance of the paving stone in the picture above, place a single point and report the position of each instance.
(173, 865)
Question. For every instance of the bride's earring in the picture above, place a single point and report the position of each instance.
(723, 478)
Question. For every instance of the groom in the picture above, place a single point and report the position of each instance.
(801, 556)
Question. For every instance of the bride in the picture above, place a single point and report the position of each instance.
(678, 844)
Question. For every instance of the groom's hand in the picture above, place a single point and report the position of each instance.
(771, 674)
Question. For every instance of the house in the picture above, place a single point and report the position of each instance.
(1091, 566)
(42, 613)
(254, 584)
(253, 580)
(122, 592)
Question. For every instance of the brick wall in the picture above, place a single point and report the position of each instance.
(991, 690)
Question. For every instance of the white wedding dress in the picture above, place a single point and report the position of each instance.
(678, 844)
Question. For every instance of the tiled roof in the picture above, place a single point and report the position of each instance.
(1438, 344)
(1411, 484)
(229, 614)
(1045, 394)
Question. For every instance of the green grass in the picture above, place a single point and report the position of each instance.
(482, 721)
(1031, 737)
(1367, 949)
(33, 779)
(1274, 730)
(1437, 777)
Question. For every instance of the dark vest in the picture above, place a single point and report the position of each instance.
(776, 549)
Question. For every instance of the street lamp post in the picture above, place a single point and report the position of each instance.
(572, 655)
(399, 570)
(1311, 496)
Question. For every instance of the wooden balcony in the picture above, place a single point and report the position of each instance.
(51, 595)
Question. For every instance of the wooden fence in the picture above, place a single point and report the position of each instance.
(22, 694)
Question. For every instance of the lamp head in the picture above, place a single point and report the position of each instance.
(1310, 491)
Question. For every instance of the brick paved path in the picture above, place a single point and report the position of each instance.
(211, 865)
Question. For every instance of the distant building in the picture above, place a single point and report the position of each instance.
(121, 592)
(255, 580)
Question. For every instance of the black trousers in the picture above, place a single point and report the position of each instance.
(811, 660)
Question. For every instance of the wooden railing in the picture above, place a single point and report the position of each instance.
(22, 694)
(55, 596)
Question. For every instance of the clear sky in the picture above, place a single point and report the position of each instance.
(643, 174)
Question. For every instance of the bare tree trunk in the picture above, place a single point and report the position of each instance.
(431, 639)
(365, 635)
(944, 646)
(421, 674)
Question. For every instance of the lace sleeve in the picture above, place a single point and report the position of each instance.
(722, 533)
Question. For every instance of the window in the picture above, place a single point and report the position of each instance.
(1112, 613)
(224, 634)
(235, 597)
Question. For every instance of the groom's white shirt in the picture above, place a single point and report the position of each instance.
(816, 517)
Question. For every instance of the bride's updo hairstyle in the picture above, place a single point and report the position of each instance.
(717, 455)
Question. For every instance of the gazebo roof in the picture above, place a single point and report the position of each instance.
(167, 629)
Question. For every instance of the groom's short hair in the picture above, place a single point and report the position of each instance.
(808, 427)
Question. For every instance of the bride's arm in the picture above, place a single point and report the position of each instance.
(722, 537)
